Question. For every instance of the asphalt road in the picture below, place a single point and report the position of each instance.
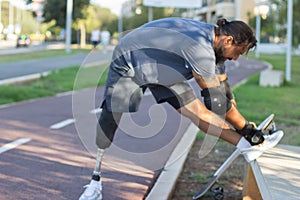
(37, 65)
(47, 145)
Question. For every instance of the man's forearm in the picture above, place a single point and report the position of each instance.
(234, 117)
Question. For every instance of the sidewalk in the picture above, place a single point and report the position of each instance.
(9, 47)
(281, 169)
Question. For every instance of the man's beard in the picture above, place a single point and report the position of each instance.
(219, 55)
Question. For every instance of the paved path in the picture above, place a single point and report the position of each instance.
(54, 164)
(281, 169)
(37, 65)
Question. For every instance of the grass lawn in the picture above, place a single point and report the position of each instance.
(57, 81)
(255, 102)
(283, 101)
(40, 54)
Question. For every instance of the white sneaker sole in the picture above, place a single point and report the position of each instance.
(94, 194)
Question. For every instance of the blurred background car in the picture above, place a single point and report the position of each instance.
(23, 41)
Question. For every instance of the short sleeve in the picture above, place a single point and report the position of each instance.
(201, 58)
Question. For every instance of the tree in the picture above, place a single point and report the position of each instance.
(56, 9)
(94, 17)
(86, 17)
(139, 19)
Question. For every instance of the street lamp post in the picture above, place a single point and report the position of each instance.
(150, 14)
(68, 25)
(261, 10)
(257, 29)
(1, 12)
(120, 25)
(289, 40)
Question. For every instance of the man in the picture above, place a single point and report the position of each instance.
(161, 56)
(95, 37)
(105, 37)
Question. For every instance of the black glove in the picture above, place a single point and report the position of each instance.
(250, 133)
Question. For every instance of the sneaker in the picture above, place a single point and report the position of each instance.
(270, 141)
(93, 191)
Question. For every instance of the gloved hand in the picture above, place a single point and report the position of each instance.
(250, 133)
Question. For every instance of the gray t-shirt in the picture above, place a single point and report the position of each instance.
(166, 51)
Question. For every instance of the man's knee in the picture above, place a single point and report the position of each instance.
(216, 100)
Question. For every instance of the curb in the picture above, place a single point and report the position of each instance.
(165, 184)
(22, 79)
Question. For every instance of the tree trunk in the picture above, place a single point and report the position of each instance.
(82, 35)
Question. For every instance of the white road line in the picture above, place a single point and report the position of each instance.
(96, 63)
(147, 93)
(95, 111)
(14, 144)
(64, 94)
(62, 124)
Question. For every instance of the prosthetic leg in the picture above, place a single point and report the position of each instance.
(106, 128)
(97, 171)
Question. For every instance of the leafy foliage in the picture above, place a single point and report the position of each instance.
(56, 9)
(96, 17)
(138, 20)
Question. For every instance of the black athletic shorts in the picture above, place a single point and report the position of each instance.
(123, 94)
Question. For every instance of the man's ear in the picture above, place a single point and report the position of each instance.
(228, 40)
